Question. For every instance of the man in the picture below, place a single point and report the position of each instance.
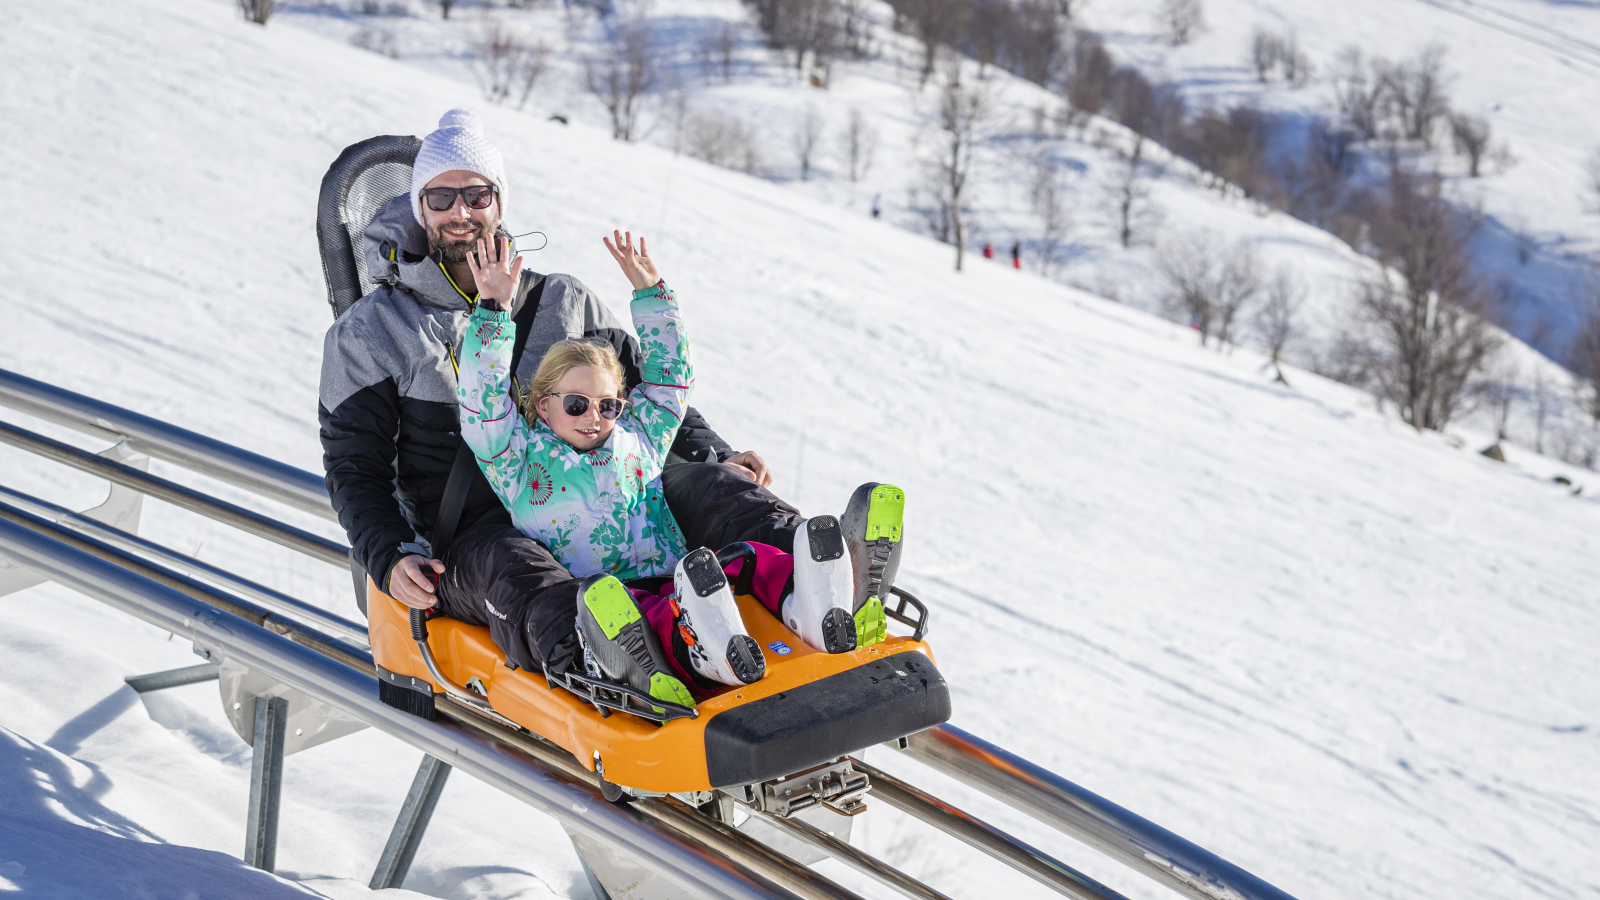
(388, 416)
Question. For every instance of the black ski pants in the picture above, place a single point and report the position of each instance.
(497, 576)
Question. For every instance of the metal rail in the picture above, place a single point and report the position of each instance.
(1132, 840)
(208, 456)
(1035, 863)
(578, 806)
(178, 495)
(850, 856)
(315, 616)
(795, 879)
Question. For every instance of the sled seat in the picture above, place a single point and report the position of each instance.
(810, 708)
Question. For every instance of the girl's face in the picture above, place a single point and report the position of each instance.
(589, 430)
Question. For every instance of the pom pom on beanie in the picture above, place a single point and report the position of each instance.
(458, 143)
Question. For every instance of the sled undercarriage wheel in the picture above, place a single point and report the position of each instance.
(613, 793)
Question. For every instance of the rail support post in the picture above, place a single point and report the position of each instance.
(415, 814)
(266, 784)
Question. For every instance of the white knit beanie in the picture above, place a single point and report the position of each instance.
(458, 144)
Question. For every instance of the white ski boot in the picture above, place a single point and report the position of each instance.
(819, 609)
(720, 649)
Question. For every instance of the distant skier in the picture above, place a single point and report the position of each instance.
(877, 205)
(1016, 255)
(988, 250)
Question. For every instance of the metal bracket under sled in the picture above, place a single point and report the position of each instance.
(308, 723)
(836, 785)
(120, 510)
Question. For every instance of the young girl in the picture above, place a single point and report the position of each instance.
(579, 468)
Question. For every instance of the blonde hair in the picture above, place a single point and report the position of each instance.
(563, 357)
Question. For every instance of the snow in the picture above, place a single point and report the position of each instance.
(1535, 208)
(1351, 658)
(1530, 67)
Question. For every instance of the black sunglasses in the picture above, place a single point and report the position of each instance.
(577, 404)
(478, 196)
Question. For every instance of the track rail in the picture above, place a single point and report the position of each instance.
(579, 806)
(267, 630)
(208, 456)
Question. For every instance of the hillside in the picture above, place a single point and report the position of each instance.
(760, 102)
(1348, 657)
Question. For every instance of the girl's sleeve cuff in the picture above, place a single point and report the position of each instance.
(654, 290)
(484, 313)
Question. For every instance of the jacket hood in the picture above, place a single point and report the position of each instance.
(396, 251)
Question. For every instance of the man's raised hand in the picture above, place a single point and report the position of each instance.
(494, 271)
(637, 265)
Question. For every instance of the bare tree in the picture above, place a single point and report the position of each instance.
(1471, 136)
(1360, 95)
(722, 140)
(1033, 41)
(1296, 66)
(622, 74)
(1129, 192)
(1180, 20)
(1541, 408)
(535, 62)
(716, 53)
(1265, 48)
(1049, 204)
(257, 11)
(959, 123)
(377, 40)
(1592, 173)
(807, 134)
(1209, 288)
(1416, 91)
(1275, 318)
(1427, 334)
(938, 24)
(497, 53)
(1089, 73)
(855, 29)
(1583, 356)
(444, 8)
(860, 142)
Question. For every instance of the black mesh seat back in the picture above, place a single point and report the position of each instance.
(364, 177)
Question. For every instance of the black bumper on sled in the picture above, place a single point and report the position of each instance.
(824, 720)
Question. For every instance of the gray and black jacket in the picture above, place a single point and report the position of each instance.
(387, 408)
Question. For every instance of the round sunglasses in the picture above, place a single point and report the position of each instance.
(478, 196)
(577, 404)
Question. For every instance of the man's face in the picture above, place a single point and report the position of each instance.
(455, 232)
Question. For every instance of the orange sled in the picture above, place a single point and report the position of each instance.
(810, 709)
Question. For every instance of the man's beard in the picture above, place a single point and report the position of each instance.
(456, 251)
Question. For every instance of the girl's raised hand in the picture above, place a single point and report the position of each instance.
(494, 271)
(637, 265)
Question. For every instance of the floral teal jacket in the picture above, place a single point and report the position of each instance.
(601, 511)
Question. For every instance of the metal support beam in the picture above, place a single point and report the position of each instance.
(266, 784)
(160, 681)
(411, 825)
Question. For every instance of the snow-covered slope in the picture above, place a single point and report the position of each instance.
(1531, 68)
(1351, 658)
(1179, 207)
